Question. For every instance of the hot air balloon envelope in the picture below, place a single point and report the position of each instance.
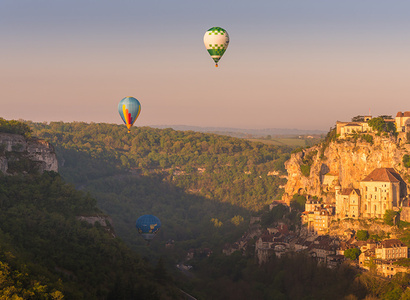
(216, 40)
(148, 226)
(129, 109)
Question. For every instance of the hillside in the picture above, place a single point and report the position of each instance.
(204, 188)
(51, 248)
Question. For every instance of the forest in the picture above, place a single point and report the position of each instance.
(203, 187)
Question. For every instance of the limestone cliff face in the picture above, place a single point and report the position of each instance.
(350, 161)
(18, 154)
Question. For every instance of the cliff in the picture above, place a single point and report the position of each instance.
(344, 161)
(18, 154)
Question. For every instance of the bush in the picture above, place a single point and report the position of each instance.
(362, 235)
(352, 253)
(406, 161)
(305, 169)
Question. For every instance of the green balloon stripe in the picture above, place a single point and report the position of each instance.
(218, 52)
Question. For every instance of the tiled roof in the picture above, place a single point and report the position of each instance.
(348, 191)
(392, 243)
(405, 114)
(384, 175)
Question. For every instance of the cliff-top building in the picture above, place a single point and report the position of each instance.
(402, 122)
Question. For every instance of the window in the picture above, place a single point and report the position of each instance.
(375, 189)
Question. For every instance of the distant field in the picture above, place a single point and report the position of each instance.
(295, 142)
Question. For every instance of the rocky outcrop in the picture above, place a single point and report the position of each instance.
(18, 154)
(374, 227)
(346, 159)
(104, 221)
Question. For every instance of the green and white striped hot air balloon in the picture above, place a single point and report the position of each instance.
(216, 40)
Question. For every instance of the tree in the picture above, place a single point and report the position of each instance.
(362, 235)
(298, 202)
(352, 253)
(380, 125)
(406, 160)
(390, 217)
(358, 119)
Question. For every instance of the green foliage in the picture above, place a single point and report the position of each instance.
(307, 162)
(290, 277)
(405, 262)
(331, 136)
(216, 222)
(358, 119)
(352, 253)
(390, 217)
(367, 137)
(298, 202)
(380, 125)
(15, 127)
(305, 169)
(40, 226)
(362, 235)
(237, 220)
(217, 167)
(406, 161)
(16, 284)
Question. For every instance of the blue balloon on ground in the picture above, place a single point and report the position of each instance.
(148, 226)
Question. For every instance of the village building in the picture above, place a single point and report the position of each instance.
(402, 123)
(347, 202)
(317, 216)
(389, 268)
(392, 249)
(383, 189)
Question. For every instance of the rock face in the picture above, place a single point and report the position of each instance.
(18, 154)
(348, 160)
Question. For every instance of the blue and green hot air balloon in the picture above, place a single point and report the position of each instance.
(148, 226)
(129, 109)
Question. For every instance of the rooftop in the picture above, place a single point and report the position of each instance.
(384, 175)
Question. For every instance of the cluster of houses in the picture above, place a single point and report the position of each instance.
(330, 250)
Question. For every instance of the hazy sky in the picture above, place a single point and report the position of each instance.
(290, 63)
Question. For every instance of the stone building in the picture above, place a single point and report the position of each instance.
(379, 191)
(391, 249)
(347, 202)
(317, 216)
(403, 121)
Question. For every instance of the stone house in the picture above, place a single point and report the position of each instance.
(392, 249)
(388, 269)
(347, 202)
(403, 121)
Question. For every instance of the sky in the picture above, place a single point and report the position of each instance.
(290, 64)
